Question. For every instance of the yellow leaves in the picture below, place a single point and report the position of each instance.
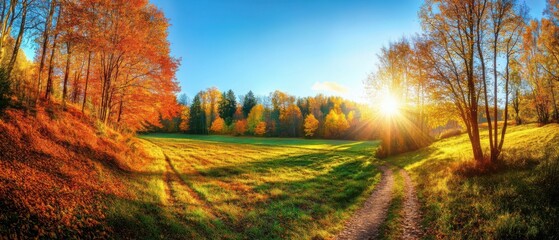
(311, 125)
(335, 124)
(255, 116)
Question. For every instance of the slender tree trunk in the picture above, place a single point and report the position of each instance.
(86, 81)
(19, 38)
(49, 90)
(6, 24)
(66, 74)
(48, 24)
(555, 112)
(76, 88)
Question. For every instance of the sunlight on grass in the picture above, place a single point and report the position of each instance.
(256, 188)
(508, 203)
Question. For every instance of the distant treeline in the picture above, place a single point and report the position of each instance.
(276, 115)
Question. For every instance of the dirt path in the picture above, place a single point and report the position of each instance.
(412, 215)
(366, 221)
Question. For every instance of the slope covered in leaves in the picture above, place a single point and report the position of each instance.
(56, 167)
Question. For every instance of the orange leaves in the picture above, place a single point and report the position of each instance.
(240, 127)
(218, 126)
(53, 173)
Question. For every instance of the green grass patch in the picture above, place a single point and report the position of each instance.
(247, 188)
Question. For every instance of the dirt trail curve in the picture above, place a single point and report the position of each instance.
(366, 221)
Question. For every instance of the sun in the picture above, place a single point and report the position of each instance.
(389, 105)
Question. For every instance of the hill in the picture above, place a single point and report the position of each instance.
(57, 169)
(516, 198)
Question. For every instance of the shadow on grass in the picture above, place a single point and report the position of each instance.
(296, 208)
(134, 219)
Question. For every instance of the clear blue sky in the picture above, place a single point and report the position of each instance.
(302, 47)
(290, 45)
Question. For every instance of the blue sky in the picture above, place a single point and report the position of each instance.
(303, 47)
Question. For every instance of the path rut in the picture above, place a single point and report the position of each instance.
(412, 214)
(366, 221)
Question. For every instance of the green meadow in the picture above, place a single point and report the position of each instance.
(212, 187)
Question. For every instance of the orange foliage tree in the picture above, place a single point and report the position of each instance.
(260, 129)
(218, 126)
(240, 127)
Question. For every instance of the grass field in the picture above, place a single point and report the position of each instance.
(517, 200)
(244, 188)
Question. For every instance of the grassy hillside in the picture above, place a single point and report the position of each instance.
(57, 169)
(517, 198)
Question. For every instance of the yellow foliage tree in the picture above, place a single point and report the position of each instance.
(255, 117)
(218, 125)
(335, 124)
(185, 118)
(311, 124)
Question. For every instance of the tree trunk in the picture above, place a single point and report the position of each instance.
(46, 31)
(66, 74)
(19, 38)
(86, 81)
(7, 19)
(49, 90)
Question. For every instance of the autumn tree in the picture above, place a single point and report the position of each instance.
(533, 72)
(240, 127)
(400, 79)
(218, 126)
(255, 116)
(184, 125)
(311, 125)
(210, 99)
(469, 37)
(335, 124)
(260, 129)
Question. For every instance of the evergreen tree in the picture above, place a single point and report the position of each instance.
(248, 103)
(197, 117)
(227, 106)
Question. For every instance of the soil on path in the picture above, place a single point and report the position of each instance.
(365, 223)
(412, 215)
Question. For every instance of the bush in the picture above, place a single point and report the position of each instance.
(5, 91)
(450, 133)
